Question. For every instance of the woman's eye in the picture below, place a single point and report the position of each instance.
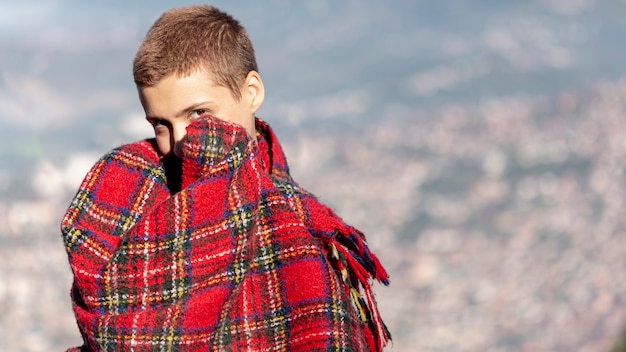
(197, 114)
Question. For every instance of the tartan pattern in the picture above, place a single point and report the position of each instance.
(241, 258)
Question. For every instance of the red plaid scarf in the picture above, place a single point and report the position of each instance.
(241, 258)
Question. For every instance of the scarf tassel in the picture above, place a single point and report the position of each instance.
(358, 266)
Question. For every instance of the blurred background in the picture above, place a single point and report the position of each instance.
(479, 144)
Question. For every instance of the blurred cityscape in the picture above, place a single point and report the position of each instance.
(481, 148)
(502, 223)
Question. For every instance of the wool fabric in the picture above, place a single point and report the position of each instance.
(241, 258)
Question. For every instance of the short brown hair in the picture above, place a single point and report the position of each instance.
(187, 39)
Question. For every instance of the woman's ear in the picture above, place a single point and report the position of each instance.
(254, 90)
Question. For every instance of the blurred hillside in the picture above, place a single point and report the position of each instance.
(479, 145)
(502, 222)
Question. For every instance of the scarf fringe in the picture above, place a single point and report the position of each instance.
(358, 265)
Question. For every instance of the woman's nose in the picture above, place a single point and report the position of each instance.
(179, 132)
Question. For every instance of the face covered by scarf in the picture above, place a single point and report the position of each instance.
(241, 258)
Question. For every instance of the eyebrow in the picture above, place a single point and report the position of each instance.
(183, 111)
